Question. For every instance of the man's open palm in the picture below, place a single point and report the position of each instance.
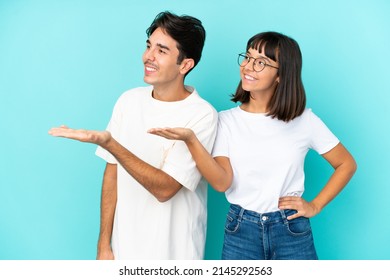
(90, 136)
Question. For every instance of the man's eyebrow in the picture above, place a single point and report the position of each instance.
(159, 45)
(163, 47)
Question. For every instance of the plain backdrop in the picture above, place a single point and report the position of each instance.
(67, 62)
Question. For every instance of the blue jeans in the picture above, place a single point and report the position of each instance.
(270, 236)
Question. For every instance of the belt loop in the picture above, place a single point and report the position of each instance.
(283, 215)
(241, 214)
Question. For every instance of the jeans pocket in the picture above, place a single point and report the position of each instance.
(232, 224)
(299, 226)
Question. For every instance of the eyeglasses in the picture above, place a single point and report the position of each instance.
(258, 63)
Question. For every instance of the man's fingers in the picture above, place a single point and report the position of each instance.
(66, 132)
(58, 131)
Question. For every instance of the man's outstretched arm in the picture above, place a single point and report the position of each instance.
(157, 182)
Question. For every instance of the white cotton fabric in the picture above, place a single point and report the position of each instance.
(145, 228)
(267, 155)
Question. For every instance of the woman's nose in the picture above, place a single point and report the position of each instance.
(249, 65)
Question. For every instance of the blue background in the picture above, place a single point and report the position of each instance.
(67, 62)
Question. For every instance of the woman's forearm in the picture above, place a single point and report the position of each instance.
(217, 171)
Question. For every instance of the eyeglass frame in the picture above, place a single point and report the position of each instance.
(254, 60)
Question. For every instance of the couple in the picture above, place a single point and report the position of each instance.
(163, 140)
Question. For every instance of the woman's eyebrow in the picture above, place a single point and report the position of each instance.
(260, 56)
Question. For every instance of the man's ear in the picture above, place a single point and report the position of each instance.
(186, 65)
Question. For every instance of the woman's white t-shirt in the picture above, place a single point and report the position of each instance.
(267, 155)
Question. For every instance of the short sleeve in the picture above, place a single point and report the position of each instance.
(322, 139)
(113, 127)
(221, 145)
(179, 163)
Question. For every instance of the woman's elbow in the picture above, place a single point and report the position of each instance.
(221, 186)
(353, 166)
(349, 167)
(220, 189)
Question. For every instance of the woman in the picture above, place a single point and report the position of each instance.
(258, 157)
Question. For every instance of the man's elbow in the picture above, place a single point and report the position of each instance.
(166, 195)
(163, 198)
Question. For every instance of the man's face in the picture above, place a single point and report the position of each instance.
(160, 59)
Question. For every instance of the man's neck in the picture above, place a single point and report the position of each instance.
(170, 93)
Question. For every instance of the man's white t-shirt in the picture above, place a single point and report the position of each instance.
(267, 155)
(145, 228)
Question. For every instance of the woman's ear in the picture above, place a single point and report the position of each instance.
(186, 65)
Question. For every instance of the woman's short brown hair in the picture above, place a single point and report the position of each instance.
(289, 99)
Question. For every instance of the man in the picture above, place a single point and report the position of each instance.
(153, 197)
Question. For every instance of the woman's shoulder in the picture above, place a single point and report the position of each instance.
(228, 112)
(307, 114)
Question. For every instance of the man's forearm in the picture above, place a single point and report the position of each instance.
(156, 181)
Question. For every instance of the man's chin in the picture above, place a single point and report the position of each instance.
(148, 80)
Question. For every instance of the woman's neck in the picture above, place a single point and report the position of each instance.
(256, 104)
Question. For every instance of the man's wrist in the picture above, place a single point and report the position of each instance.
(107, 142)
(103, 246)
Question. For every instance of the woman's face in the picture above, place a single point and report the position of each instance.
(261, 82)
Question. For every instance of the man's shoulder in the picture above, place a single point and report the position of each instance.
(133, 96)
(137, 91)
(196, 98)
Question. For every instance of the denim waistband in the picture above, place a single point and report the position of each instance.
(270, 217)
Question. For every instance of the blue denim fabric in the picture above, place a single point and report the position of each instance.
(270, 236)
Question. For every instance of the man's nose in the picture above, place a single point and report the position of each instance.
(149, 54)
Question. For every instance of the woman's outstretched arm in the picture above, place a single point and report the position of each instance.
(217, 171)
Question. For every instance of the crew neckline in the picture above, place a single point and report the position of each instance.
(251, 113)
(187, 99)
